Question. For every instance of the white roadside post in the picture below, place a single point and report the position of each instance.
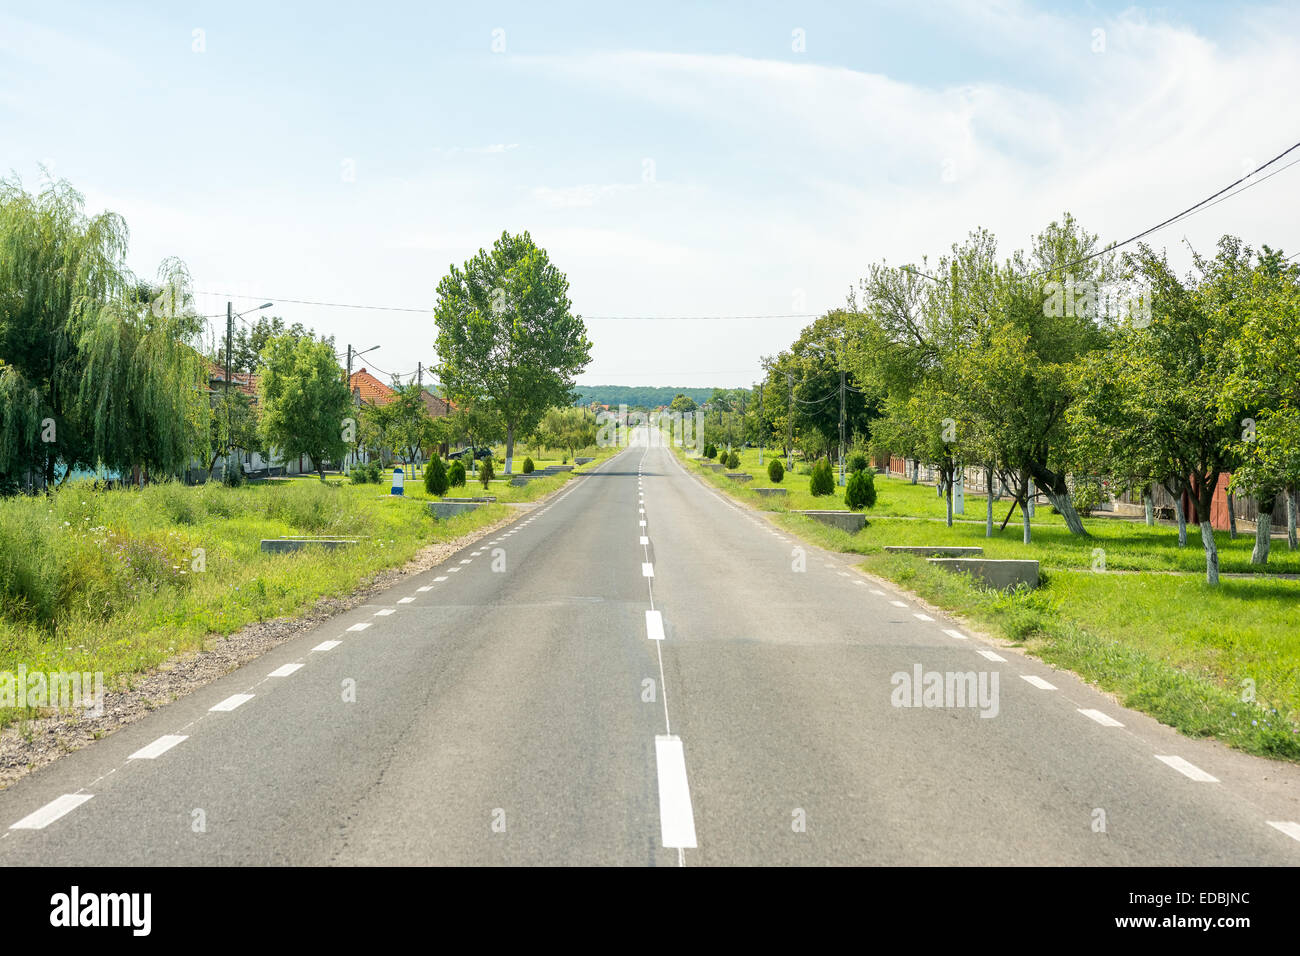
(397, 480)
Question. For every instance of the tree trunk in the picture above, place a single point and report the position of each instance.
(1290, 519)
(1232, 517)
(1065, 505)
(1182, 521)
(1149, 504)
(947, 481)
(1263, 531)
(916, 470)
(510, 447)
(988, 520)
(1211, 553)
(1025, 486)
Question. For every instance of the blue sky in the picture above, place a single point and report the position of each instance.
(673, 160)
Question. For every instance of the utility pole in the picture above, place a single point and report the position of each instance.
(230, 334)
(789, 424)
(419, 373)
(349, 374)
(841, 427)
(761, 428)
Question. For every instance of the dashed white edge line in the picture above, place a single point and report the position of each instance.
(285, 670)
(1289, 827)
(231, 702)
(1106, 720)
(1037, 681)
(158, 747)
(1187, 768)
(326, 645)
(56, 808)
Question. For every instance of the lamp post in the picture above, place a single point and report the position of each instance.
(231, 315)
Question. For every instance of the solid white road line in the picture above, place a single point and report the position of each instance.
(384, 612)
(359, 627)
(1106, 720)
(1289, 827)
(654, 625)
(676, 821)
(1186, 768)
(47, 814)
(1037, 682)
(327, 645)
(231, 702)
(158, 747)
(647, 569)
(958, 635)
(284, 671)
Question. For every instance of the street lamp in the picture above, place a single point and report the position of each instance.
(230, 334)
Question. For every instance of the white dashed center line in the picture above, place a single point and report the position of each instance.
(1186, 768)
(231, 702)
(52, 811)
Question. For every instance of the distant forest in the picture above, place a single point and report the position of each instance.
(636, 396)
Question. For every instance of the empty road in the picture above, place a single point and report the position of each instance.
(641, 672)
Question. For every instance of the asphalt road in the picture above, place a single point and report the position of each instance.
(513, 706)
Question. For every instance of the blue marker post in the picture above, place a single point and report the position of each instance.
(397, 480)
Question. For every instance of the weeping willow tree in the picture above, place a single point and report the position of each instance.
(143, 384)
(56, 266)
(95, 366)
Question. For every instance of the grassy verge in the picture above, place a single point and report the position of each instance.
(120, 581)
(1166, 644)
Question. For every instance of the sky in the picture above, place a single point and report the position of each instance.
(735, 160)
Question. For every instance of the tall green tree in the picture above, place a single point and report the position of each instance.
(144, 381)
(304, 400)
(58, 268)
(507, 337)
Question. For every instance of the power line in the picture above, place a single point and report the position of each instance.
(601, 318)
(1190, 210)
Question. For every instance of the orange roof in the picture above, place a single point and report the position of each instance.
(245, 382)
(373, 391)
(437, 407)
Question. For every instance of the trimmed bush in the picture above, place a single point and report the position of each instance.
(775, 470)
(529, 467)
(485, 473)
(456, 475)
(733, 461)
(860, 490)
(359, 475)
(710, 451)
(435, 477)
(858, 462)
(823, 479)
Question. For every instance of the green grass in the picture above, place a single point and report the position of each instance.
(1166, 644)
(120, 581)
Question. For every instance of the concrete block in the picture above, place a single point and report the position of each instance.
(739, 476)
(447, 509)
(772, 492)
(993, 572)
(849, 521)
(935, 551)
(286, 545)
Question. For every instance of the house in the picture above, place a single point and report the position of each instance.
(369, 390)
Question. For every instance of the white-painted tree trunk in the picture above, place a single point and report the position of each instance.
(1211, 553)
(1263, 532)
(1290, 519)
(1149, 505)
(988, 520)
(1182, 521)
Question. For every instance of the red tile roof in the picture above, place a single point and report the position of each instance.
(245, 382)
(373, 391)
